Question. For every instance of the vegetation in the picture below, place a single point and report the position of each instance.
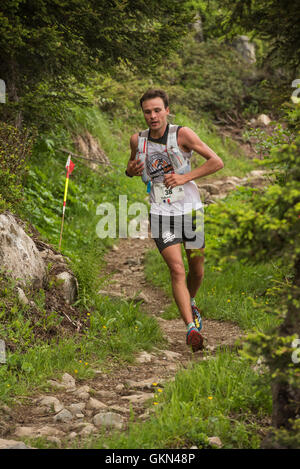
(71, 67)
(49, 49)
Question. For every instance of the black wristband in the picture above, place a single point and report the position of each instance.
(128, 174)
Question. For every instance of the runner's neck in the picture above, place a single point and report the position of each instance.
(156, 135)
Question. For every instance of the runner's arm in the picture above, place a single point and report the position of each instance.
(189, 140)
(134, 167)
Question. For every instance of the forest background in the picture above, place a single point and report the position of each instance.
(71, 67)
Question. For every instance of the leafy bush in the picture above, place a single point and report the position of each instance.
(15, 150)
(266, 224)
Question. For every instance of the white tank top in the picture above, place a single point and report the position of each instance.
(159, 164)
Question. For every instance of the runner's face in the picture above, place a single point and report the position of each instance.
(155, 114)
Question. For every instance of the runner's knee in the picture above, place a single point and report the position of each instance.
(177, 270)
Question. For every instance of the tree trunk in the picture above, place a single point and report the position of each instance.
(286, 387)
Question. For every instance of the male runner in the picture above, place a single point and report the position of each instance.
(175, 202)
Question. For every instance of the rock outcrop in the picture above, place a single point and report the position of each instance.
(30, 261)
(19, 255)
(210, 192)
(245, 48)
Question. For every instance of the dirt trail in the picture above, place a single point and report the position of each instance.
(78, 409)
(125, 264)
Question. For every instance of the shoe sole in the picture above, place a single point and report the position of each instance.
(195, 339)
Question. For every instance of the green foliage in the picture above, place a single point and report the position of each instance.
(284, 439)
(38, 347)
(264, 142)
(46, 47)
(212, 397)
(275, 21)
(215, 80)
(262, 224)
(15, 150)
(203, 80)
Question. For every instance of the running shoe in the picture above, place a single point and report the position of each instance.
(197, 317)
(195, 339)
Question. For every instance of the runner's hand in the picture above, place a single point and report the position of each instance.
(135, 167)
(173, 180)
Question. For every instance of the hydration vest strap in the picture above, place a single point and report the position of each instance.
(172, 137)
(142, 142)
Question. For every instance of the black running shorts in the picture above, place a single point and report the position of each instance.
(169, 230)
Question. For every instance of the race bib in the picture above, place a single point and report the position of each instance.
(163, 194)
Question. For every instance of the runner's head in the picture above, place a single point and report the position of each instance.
(155, 93)
(155, 106)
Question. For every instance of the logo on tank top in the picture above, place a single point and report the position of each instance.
(158, 165)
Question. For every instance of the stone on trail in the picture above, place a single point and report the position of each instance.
(145, 384)
(68, 381)
(172, 355)
(83, 392)
(63, 416)
(32, 432)
(215, 440)
(108, 419)
(77, 408)
(144, 357)
(51, 402)
(138, 398)
(94, 404)
(87, 430)
(22, 432)
(13, 444)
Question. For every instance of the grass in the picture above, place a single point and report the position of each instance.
(235, 161)
(239, 292)
(217, 397)
(117, 329)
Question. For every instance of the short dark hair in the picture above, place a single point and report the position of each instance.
(155, 93)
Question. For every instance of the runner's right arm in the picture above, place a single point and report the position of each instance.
(134, 167)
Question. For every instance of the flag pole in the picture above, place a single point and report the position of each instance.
(70, 166)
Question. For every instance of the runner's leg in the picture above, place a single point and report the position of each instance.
(173, 258)
(195, 275)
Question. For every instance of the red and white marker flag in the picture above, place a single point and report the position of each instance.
(69, 167)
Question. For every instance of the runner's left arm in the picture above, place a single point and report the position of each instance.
(188, 140)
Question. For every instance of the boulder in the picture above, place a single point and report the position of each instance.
(19, 254)
(13, 444)
(69, 286)
(109, 419)
(245, 48)
(94, 404)
(215, 441)
(212, 189)
(63, 416)
(263, 120)
(51, 402)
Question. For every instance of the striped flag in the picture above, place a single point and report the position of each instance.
(69, 167)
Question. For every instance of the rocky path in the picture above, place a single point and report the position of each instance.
(73, 410)
(76, 411)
